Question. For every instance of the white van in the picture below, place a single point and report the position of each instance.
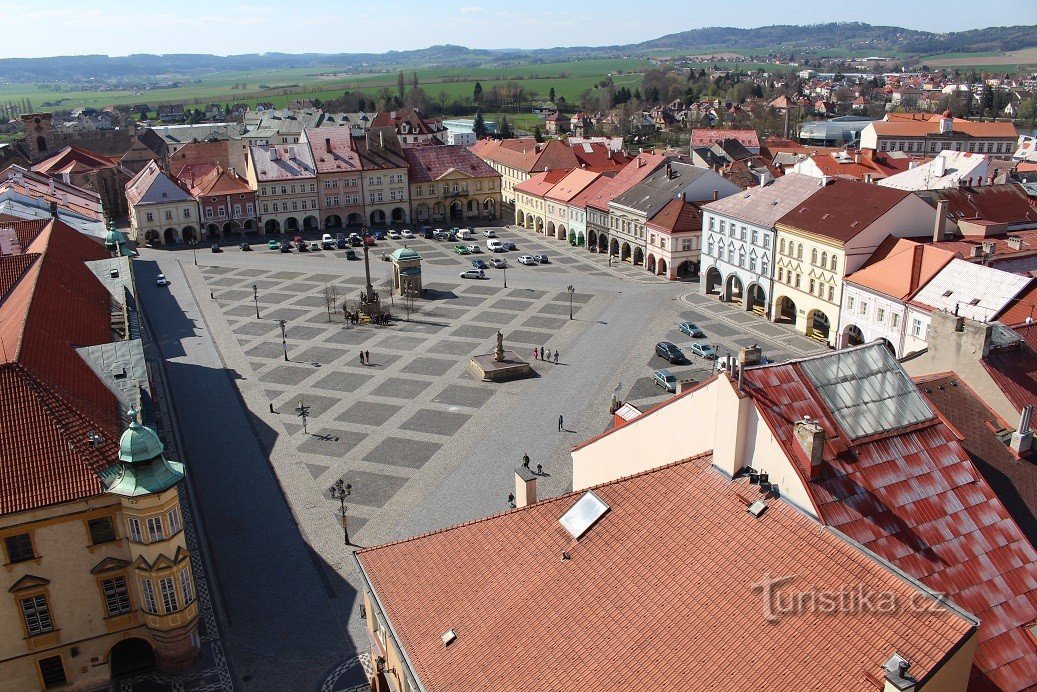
(464, 234)
(494, 245)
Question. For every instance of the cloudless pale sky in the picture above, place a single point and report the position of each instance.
(73, 27)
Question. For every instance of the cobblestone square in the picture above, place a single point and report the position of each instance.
(372, 413)
(402, 451)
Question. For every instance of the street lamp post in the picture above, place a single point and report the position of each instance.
(505, 268)
(340, 491)
(255, 297)
(194, 249)
(284, 339)
(571, 290)
(303, 411)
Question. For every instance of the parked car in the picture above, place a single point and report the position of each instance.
(494, 246)
(665, 379)
(314, 247)
(369, 241)
(327, 244)
(215, 248)
(161, 280)
(303, 247)
(670, 352)
(273, 244)
(480, 264)
(428, 234)
(542, 259)
(286, 247)
(691, 329)
(326, 238)
(473, 274)
(489, 233)
(245, 247)
(340, 236)
(297, 239)
(378, 235)
(527, 260)
(451, 235)
(354, 241)
(406, 233)
(508, 245)
(464, 234)
(351, 254)
(462, 250)
(340, 243)
(394, 235)
(704, 351)
(474, 249)
(440, 234)
(499, 263)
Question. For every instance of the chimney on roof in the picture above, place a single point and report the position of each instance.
(639, 162)
(50, 185)
(1015, 242)
(1022, 438)
(941, 219)
(946, 124)
(989, 248)
(812, 439)
(327, 144)
(640, 150)
(912, 164)
(381, 139)
(939, 166)
(682, 197)
(669, 171)
(857, 157)
(916, 265)
(897, 676)
(525, 486)
(54, 209)
(291, 153)
(825, 180)
(867, 178)
(583, 165)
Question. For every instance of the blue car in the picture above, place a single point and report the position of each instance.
(691, 329)
(378, 235)
(479, 264)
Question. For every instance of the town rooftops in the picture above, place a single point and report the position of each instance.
(860, 165)
(58, 420)
(17, 182)
(672, 556)
(220, 181)
(659, 187)
(899, 267)
(73, 160)
(571, 185)
(948, 169)
(580, 201)
(379, 149)
(282, 162)
(705, 137)
(910, 493)
(1008, 204)
(1014, 367)
(152, 186)
(432, 163)
(764, 205)
(416, 122)
(541, 183)
(971, 290)
(677, 216)
(199, 158)
(842, 209)
(332, 149)
(640, 167)
(929, 126)
(526, 154)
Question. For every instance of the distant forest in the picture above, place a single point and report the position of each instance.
(853, 36)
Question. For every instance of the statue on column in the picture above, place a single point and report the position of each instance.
(498, 353)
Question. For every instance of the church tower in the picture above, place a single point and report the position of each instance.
(39, 135)
(147, 484)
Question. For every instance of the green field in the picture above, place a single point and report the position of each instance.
(323, 83)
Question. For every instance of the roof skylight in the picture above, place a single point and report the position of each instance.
(583, 515)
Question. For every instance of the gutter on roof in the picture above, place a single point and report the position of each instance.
(388, 623)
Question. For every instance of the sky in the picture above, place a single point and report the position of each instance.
(73, 27)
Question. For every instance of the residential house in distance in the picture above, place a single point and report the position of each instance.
(96, 564)
(171, 113)
(846, 437)
(517, 160)
(921, 133)
(285, 181)
(646, 540)
(876, 296)
(412, 126)
(26, 195)
(598, 226)
(385, 185)
(831, 233)
(338, 175)
(279, 125)
(630, 211)
(740, 244)
(92, 171)
(226, 203)
(449, 182)
(162, 210)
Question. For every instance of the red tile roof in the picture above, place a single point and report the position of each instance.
(913, 496)
(631, 174)
(332, 149)
(73, 160)
(859, 167)
(541, 183)
(50, 399)
(899, 267)
(526, 155)
(598, 157)
(412, 117)
(431, 163)
(1014, 368)
(220, 181)
(842, 209)
(12, 267)
(999, 203)
(656, 594)
(704, 137)
(580, 201)
(1022, 307)
(677, 216)
(572, 184)
(201, 156)
(902, 127)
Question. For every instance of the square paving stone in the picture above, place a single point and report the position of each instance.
(425, 327)
(354, 280)
(512, 304)
(402, 451)
(372, 489)
(400, 388)
(322, 278)
(446, 261)
(287, 374)
(460, 395)
(350, 335)
(267, 349)
(473, 331)
(443, 312)
(428, 366)
(577, 297)
(302, 332)
(722, 330)
(467, 301)
(218, 270)
(541, 322)
(321, 354)
(523, 336)
(330, 442)
(266, 284)
(398, 342)
(368, 413)
(273, 298)
(299, 288)
(285, 276)
(555, 309)
(380, 359)
(319, 405)
(240, 310)
(454, 348)
(341, 381)
(254, 328)
(235, 296)
(287, 314)
(526, 293)
(317, 302)
(495, 317)
(224, 281)
(436, 422)
(481, 290)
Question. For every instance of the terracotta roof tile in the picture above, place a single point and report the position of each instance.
(900, 267)
(541, 183)
(896, 127)
(631, 174)
(73, 160)
(675, 556)
(842, 209)
(1014, 368)
(571, 185)
(431, 163)
(677, 216)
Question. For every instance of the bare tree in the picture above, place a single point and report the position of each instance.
(330, 298)
(409, 303)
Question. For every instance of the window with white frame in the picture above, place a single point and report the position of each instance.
(849, 302)
(916, 327)
(880, 315)
(167, 589)
(894, 320)
(863, 307)
(155, 529)
(173, 516)
(37, 615)
(133, 527)
(147, 592)
(116, 596)
(186, 590)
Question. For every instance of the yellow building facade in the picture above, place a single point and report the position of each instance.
(808, 277)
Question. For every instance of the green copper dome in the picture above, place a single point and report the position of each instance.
(114, 236)
(143, 470)
(405, 253)
(139, 443)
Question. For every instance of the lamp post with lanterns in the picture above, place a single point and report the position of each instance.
(340, 491)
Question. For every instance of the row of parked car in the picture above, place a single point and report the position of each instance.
(673, 354)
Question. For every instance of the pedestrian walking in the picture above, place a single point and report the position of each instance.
(556, 356)
(525, 457)
(367, 355)
(560, 425)
(363, 361)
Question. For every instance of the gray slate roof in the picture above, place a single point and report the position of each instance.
(764, 205)
(655, 191)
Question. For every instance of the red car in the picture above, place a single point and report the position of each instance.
(369, 241)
